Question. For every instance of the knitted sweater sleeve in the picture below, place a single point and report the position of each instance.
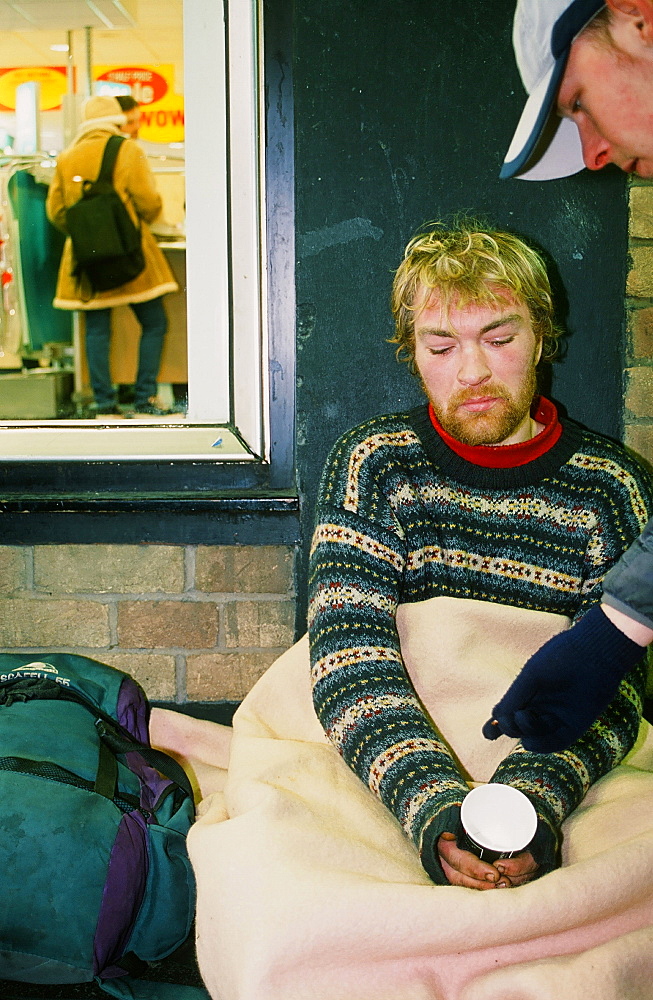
(361, 691)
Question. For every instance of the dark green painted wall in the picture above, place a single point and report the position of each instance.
(403, 113)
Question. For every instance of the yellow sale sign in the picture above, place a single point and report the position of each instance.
(162, 110)
(52, 82)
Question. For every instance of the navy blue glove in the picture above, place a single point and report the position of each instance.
(565, 685)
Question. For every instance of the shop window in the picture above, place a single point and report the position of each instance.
(236, 406)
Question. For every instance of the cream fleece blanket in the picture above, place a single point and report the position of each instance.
(308, 889)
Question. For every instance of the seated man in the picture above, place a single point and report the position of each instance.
(451, 541)
(481, 501)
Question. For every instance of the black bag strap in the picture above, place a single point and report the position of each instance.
(109, 157)
(102, 785)
(106, 779)
(120, 743)
(118, 739)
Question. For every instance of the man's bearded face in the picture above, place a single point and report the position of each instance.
(478, 366)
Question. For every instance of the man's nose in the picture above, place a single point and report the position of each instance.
(473, 367)
(597, 152)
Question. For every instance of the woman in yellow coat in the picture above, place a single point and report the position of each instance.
(133, 180)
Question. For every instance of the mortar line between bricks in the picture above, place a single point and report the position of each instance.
(104, 596)
(112, 607)
(181, 686)
(190, 561)
(202, 597)
(188, 597)
(221, 637)
(29, 568)
(95, 652)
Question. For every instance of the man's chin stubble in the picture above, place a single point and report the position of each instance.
(488, 428)
(481, 428)
(473, 433)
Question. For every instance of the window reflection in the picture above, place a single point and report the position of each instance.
(212, 178)
(43, 371)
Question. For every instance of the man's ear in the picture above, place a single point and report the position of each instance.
(538, 353)
(640, 12)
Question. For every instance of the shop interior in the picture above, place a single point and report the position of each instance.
(52, 57)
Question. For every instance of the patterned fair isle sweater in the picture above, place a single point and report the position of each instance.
(401, 518)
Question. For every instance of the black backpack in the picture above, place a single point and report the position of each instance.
(107, 246)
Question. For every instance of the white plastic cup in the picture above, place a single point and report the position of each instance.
(498, 821)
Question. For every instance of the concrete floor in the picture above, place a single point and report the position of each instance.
(180, 968)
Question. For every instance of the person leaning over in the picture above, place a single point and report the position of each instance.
(588, 68)
(133, 180)
(464, 514)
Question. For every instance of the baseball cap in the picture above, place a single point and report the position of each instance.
(545, 146)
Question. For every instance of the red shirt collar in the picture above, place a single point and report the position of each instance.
(507, 456)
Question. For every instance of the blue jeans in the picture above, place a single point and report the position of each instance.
(153, 320)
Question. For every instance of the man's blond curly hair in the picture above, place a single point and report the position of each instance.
(466, 264)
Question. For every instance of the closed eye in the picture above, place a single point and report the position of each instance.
(500, 342)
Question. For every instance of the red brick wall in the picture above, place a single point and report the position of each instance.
(638, 403)
(191, 623)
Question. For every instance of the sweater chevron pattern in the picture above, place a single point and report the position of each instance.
(401, 518)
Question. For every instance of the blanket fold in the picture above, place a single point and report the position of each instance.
(309, 888)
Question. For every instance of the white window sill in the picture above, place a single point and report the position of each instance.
(145, 439)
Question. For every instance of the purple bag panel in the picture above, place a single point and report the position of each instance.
(122, 895)
(133, 714)
(128, 864)
(133, 710)
(153, 784)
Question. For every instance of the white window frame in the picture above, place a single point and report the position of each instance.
(226, 286)
(225, 210)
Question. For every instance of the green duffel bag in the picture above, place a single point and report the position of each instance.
(96, 879)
